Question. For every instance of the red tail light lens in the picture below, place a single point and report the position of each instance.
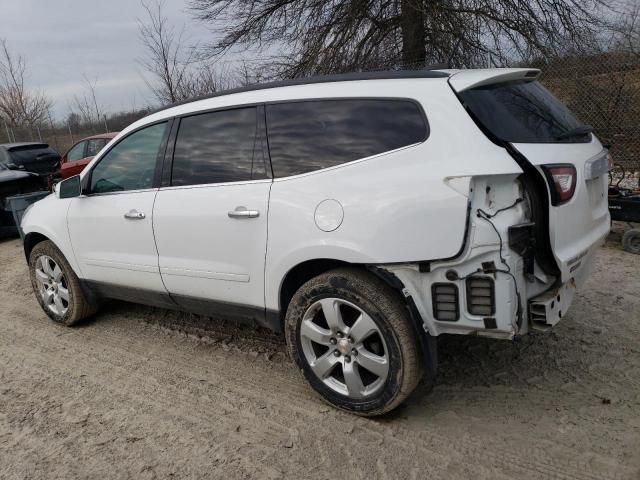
(562, 182)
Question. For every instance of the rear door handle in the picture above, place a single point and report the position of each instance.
(134, 214)
(242, 212)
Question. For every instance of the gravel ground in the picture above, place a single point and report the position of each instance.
(146, 393)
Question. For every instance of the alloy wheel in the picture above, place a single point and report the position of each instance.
(344, 348)
(52, 285)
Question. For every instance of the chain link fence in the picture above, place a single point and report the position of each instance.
(60, 138)
(604, 92)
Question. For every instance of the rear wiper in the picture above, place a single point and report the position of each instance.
(575, 132)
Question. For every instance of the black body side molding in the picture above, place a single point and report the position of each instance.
(198, 306)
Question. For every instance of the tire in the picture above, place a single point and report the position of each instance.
(631, 241)
(375, 332)
(51, 275)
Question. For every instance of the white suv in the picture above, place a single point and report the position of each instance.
(362, 215)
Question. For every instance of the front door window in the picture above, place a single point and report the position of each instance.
(130, 164)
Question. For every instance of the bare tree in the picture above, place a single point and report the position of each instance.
(19, 106)
(626, 30)
(342, 35)
(178, 75)
(169, 60)
(90, 111)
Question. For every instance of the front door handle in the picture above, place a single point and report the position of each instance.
(134, 214)
(242, 212)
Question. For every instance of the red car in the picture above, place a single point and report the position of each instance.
(78, 156)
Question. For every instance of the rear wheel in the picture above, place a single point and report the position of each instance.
(631, 241)
(56, 285)
(351, 336)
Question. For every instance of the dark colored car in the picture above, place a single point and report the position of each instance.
(32, 157)
(15, 182)
(78, 156)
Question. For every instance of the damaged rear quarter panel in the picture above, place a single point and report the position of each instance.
(401, 206)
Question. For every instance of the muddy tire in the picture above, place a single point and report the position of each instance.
(351, 336)
(57, 287)
(631, 241)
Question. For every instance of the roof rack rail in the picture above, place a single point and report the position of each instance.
(427, 72)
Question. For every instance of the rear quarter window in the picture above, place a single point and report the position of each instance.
(311, 135)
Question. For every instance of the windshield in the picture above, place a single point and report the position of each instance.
(524, 112)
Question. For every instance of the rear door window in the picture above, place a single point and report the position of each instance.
(311, 135)
(219, 147)
(523, 112)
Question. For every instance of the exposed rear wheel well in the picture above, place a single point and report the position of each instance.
(302, 273)
(31, 240)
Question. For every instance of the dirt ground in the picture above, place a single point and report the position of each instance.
(146, 393)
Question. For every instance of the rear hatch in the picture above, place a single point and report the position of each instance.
(37, 158)
(517, 112)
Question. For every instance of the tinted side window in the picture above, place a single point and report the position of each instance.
(76, 153)
(217, 147)
(131, 164)
(310, 135)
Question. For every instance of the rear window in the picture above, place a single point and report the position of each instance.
(22, 154)
(311, 135)
(523, 112)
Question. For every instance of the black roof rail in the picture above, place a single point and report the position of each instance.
(341, 77)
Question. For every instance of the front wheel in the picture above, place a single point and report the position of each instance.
(56, 285)
(351, 336)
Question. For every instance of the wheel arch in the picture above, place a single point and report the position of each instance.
(31, 240)
(300, 274)
(37, 235)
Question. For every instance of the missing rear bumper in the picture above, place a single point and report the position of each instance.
(547, 309)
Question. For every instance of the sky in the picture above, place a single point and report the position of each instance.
(62, 40)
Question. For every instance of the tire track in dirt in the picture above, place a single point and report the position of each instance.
(114, 356)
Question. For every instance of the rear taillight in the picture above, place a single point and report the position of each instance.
(562, 182)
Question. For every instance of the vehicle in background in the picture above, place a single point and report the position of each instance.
(78, 156)
(33, 157)
(14, 182)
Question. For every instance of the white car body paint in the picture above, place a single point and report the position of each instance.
(111, 248)
(204, 253)
(398, 209)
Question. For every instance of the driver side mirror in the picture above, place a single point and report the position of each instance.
(69, 188)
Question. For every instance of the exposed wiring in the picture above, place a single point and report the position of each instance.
(487, 216)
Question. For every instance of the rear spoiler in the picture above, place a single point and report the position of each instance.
(462, 80)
